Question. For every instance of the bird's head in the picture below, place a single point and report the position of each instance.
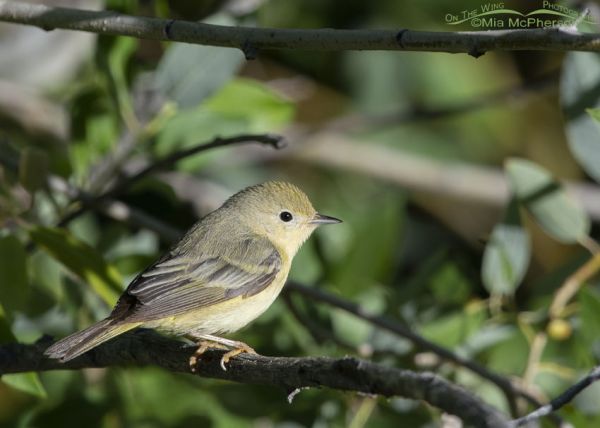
(279, 211)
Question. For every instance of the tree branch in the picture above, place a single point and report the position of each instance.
(564, 398)
(249, 40)
(273, 140)
(320, 296)
(88, 201)
(510, 391)
(112, 208)
(503, 383)
(317, 295)
(144, 348)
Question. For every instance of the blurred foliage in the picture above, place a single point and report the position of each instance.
(462, 275)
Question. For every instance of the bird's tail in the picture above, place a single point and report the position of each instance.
(76, 344)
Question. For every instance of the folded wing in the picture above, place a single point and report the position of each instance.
(178, 283)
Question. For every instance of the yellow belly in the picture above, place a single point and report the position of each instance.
(224, 317)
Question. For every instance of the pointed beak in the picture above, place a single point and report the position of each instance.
(319, 219)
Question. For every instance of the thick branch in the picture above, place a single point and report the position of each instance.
(251, 39)
(350, 374)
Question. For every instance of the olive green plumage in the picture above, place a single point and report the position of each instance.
(225, 271)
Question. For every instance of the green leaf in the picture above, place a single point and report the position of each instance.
(101, 131)
(370, 256)
(449, 285)
(14, 286)
(556, 212)
(506, 255)
(509, 355)
(194, 126)
(118, 57)
(355, 330)
(262, 108)
(589, 301)
(33, 168)
(594, 113)
(187, 73)
(27, 382)
(144, 393)
(580, 93)
(488, 336)
(452, 330)
(81, 259)
(223, 115)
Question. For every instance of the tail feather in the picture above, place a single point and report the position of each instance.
(78, 343)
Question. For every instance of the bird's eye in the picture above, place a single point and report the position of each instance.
(285, 216)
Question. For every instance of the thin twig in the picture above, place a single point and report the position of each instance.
(564, 398)
(275, 141)
(504, 384)
(536, 349)
(572, 285)
(250, 40)
(143, 348)
(510, 391)
(116, 210)
(561, 298)
(318, 334)
(589, 244)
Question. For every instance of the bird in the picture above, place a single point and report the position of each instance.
(223, 273)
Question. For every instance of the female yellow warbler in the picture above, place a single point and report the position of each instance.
(225, 272)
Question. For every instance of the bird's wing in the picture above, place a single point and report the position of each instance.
(178, 283)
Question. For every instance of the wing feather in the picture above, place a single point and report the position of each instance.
(178, 283)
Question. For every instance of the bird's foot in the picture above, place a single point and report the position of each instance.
(203, 346)
(233, 348)
(242, 348)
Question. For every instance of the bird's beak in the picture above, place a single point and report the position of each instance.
(319, 219)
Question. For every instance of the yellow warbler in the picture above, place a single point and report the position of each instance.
(226, 271)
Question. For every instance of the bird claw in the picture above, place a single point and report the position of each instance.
(203, 346)
(241, 349)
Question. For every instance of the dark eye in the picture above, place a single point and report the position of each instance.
(285, 216)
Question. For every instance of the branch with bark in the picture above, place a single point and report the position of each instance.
(251, 40)
(104, 203)
(420, 342)
(143, 348)
(9, 358)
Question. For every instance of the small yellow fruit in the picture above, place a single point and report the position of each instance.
(559, 329)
